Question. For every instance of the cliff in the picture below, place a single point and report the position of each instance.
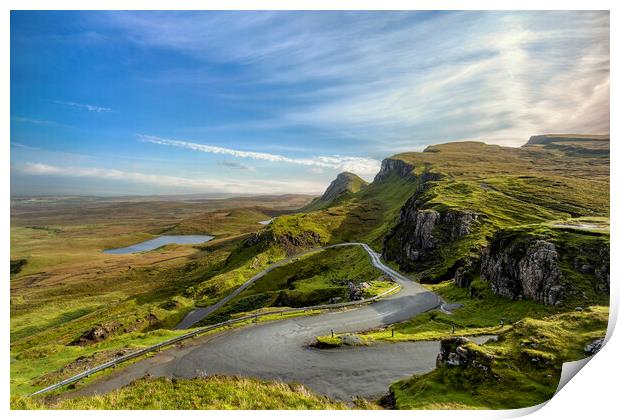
(524, 269)
(421, 236)
(391, 166)
(550, 266)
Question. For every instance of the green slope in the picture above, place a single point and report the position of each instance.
(522, 368)
(211, 393)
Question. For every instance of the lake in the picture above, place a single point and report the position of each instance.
(160, 241)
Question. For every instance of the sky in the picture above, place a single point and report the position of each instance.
(114, 103)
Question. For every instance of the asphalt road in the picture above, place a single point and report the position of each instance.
(280, 349)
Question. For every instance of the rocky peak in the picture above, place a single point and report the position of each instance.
(344, 182)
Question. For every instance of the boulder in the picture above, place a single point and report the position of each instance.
(355, 292)
(593, 347)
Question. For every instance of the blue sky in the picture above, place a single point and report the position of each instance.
(106, 103)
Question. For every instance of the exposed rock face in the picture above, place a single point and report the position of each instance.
(344, 182)
(393, 166)
(254, 239)
(420, 232)
(524, 269)
(455, 352)
(421, 236)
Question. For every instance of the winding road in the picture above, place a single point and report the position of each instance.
(280, 349)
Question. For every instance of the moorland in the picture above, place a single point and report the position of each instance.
(516, 240)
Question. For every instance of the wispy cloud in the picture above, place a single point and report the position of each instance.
(35, 121)
(257, 186)
(362, 166)
(84, 107)
(235, 165)
(23, 146)
(398, 79)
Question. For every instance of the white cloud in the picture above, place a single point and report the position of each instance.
(233, 186)
(84, 107)
(365, 167)
(392, 80)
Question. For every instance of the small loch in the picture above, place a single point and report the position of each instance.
(160, 241)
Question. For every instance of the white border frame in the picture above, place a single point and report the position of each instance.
(591, 394)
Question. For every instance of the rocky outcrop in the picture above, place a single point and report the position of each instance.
(101, 332)
(291, 244)
(17, 265)
(455, 351)
(594, 347)
(420, 232)
(355, 292)
(393, 166)
(96, 334)
(520, 268)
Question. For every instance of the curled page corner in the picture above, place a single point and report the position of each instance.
(570, 369)
(519, 412)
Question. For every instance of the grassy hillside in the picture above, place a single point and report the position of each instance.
(522, 185)
(65, 288)
(536, 183)
(314, 279)
(211, 393)
(365, 216)
(555, 189)
(521, 369)
(502, 188)
(224, 223)
(345, 184)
